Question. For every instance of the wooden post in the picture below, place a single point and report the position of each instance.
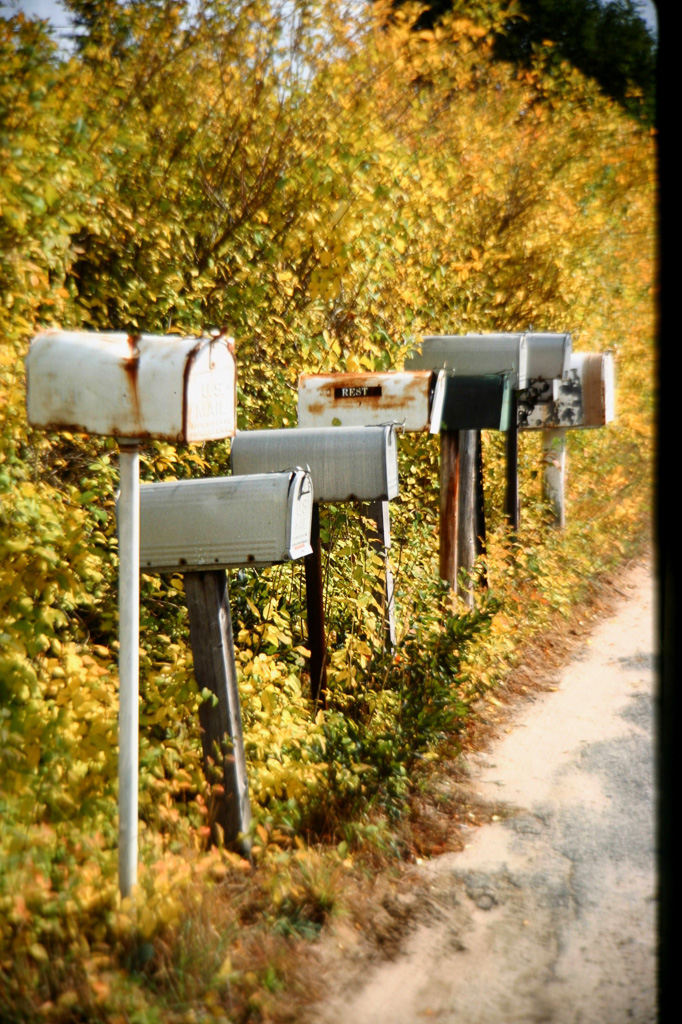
(512, 502)
(210, 627)
(457, 520)
(315, 602)
(554, 476)
(381, 542)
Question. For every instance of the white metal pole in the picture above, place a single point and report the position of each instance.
(554, 478)
(129, 632)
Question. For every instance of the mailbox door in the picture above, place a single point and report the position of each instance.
(549, 356)
(476, 403)
(365, 399)
(345, 463)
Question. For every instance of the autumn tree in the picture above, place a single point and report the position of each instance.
(610, 42)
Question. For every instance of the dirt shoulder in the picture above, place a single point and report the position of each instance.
(530, 892)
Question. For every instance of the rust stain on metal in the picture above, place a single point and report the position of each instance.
(189, 362)
(131, 367)
(593, 390)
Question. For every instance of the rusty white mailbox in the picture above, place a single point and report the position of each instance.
(131, 387)
(584, 399)
(225, 522)
(345, 463)
(167, 387)
(369, 399)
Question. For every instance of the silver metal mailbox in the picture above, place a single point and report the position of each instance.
(345, 463)
(524, 357)
(225, 522)
(474, 354)
(584, 399)
(166, 387)
(369, 399)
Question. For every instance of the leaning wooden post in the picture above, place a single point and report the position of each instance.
(210, 630)
(554, 475)
(380, 540)
(512, 444)
(317, 640)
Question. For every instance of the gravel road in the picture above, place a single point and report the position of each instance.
(548, 914)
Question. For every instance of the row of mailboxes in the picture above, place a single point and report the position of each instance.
(184, 390)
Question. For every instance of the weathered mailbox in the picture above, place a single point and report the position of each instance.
(584, 400)
(411, 401)
(345, 463)
(131, 387)
(143, 386)
(225, 522)
(369, 399)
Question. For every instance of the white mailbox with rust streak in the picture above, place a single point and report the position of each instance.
(131, 387)
(138, 386)
(584, 399)
(225, 522)
(345, 463)
(370, 399)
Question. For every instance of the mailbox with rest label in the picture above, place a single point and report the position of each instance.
(522, 356)
(144, 386)
(345, 463)
(225, 522)
(585, 399)
(368, 399)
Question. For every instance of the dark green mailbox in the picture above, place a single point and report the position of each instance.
(475, 403)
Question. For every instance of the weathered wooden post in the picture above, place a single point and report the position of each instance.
(346, 464)
(584, 400)
(131, 388)
(403, 400)
(201, 528)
